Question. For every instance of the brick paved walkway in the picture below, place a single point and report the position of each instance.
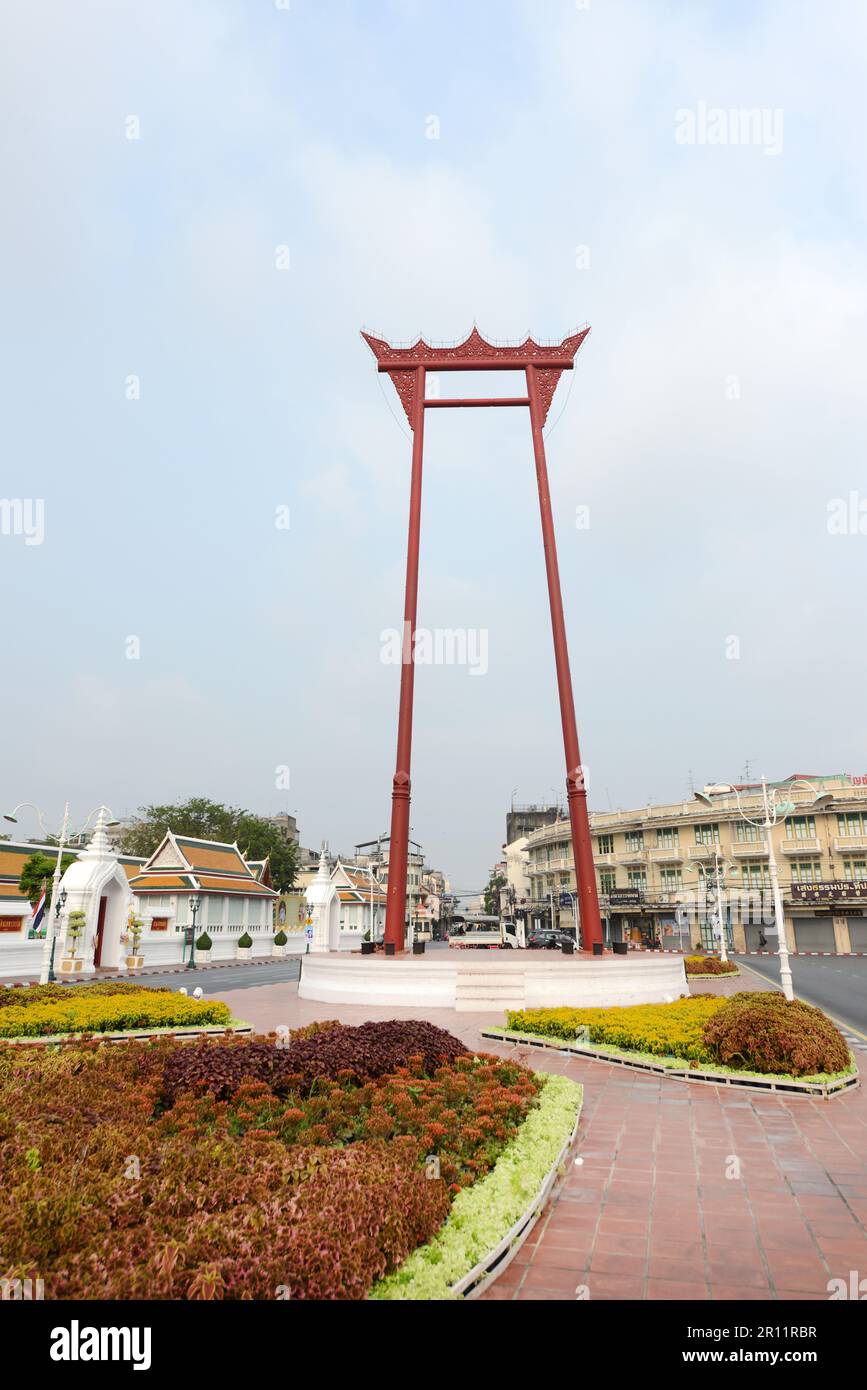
(650, 1211)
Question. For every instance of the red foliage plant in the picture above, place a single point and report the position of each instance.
(371, 1050)
(768, 1033)
(312, 1193)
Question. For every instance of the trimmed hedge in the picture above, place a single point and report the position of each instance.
(768, 1033)
(708, 965)
(675, 1030)
(81, 1012)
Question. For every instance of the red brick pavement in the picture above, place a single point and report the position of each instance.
(650, 1211)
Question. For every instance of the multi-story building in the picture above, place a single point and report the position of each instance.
(523, 820)
(374, 854)
(286, 827)
(656, 866)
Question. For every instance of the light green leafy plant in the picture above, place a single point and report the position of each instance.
(483, 1214)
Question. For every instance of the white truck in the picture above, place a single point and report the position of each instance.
(488, 935)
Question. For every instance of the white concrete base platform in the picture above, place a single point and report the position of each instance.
(492, 981)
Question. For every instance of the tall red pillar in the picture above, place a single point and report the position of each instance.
(582, 845)
(398, 848)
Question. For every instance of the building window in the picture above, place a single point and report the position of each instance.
(800, 828)
(637, 878)
(707, 834)
(806, 871)
(605, 844)
(607, 881)
(746, 834)
(854, 870)
(853, 823)
(755, 875)
(667, 839)
(672, 879)
(634, 839)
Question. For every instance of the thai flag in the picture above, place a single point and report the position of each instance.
(38, 914)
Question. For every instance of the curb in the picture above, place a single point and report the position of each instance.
(801, 1090)
(213, 1030)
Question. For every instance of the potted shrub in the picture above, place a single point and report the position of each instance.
(368, 945)
(245, 946)
(70, 963)
(203, 946)
(279, 947)
(134, 960)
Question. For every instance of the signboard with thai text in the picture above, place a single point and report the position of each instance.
(828, 892)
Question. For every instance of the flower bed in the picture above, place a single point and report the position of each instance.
(130, 1175)
(482, 1216)
(709, 965)
(55, 1010)
(675, 1029)
(761, 1034)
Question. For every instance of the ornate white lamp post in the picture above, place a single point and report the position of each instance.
(721, 868)
(46, 974)
(775, 811)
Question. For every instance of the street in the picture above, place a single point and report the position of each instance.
(837, 984)
(216, 980)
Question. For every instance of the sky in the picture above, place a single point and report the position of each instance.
(206, 482)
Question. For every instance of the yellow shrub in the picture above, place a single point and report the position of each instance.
(115, 1013)
(673, 1030)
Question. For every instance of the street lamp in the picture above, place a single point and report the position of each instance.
(58, 907)
(721, 868)
(46, 973)
(194, 907)
(775, 811)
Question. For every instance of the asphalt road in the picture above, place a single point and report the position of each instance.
(838, 984)
(216, 980)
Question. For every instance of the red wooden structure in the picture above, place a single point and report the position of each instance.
(542, 366)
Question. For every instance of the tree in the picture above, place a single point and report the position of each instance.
(39, 869)
(492, 895)
(202, 819)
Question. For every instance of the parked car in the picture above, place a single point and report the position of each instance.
(550, 940)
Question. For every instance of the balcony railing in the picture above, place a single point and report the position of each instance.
(810, 845)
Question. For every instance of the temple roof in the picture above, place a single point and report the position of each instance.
(182, 864)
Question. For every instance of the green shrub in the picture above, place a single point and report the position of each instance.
(769, 1033)
(204, 942)
(280, 939)
(245, 940)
